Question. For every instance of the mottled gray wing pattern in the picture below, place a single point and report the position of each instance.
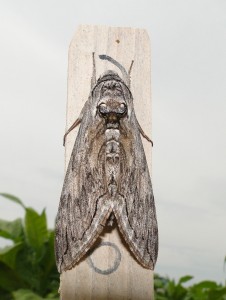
(82, 210)
(135, 211)
(85, 203)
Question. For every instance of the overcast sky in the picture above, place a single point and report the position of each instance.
(188, 40)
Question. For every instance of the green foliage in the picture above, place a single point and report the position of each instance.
(27, 268)
(167, 289)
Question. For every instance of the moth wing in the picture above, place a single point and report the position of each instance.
(82, 210)
(135, 211)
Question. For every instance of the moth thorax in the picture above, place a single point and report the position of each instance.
(111, 87)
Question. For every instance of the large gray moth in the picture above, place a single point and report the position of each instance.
(107, 179)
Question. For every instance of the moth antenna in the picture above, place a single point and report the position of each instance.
(93, 79)
(129, 72)
(125, 75)
(144, 135)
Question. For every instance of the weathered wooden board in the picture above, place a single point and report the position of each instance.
(125, 278)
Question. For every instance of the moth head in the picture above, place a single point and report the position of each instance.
(112, 98)
(112, 105)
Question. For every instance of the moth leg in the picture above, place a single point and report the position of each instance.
(76, 123)
(144, 135)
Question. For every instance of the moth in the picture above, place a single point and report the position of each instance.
(107, 179)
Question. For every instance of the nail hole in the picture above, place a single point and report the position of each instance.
(118, 41)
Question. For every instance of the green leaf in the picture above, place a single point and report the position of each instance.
(53, 295)
(185, 279)
(206, 290)
(48, 262)
(23, 294)
(159, 283)
(179, 293)
(9, 279)
(5, 295)
(12, 230)
(8, 254)
(171, 287)
(49, 279)
(28, 267)
(35, 229)
(160, 297)
(217, 294)
(206, 284)
(13, 198)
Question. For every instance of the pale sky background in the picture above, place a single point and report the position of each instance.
(188, 41)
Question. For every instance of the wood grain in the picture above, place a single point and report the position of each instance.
(125, 278)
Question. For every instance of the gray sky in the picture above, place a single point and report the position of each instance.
(188, 41)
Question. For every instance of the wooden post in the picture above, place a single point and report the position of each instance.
(111, 271)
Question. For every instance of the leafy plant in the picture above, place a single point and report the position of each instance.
(27, 268)
(167, 289)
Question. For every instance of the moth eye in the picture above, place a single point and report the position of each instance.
(103, 109)
(122, 108)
